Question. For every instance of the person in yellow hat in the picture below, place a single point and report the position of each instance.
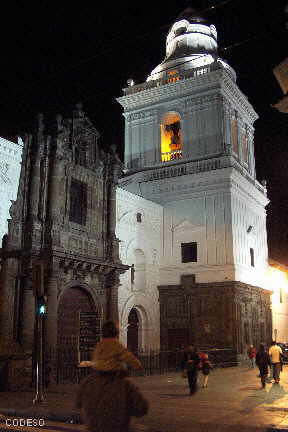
(109, 354)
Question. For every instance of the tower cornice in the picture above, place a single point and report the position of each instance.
(194, 87)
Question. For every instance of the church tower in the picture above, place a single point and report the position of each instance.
(189, 148)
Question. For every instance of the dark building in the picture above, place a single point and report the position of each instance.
(215, 315)
(62, 230)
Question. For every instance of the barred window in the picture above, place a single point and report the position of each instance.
(78, 202)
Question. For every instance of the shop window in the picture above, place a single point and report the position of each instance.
(189, 252)
(171, 137)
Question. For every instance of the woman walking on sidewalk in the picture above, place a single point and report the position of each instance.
(206, 367)
(262, 361)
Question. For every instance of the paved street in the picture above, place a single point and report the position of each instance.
(232, 402)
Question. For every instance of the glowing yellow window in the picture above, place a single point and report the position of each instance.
(171, 137)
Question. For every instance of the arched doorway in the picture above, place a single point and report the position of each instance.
(133, 331)
(73, 301)
(79, 326)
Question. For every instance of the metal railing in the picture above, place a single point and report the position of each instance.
(191, 73)
(62, 364)
(171, 156)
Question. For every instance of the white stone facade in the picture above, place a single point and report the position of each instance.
(10, 166)
(209, 209)
(207, 191)
(141, 245)
(277, 278)
(209, 196)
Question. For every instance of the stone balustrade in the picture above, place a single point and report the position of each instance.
(191, 73)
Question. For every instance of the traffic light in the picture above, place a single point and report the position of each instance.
(41, 305)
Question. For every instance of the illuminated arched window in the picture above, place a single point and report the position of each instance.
(171, 137)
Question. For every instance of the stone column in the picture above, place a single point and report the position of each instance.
(250, 145)
(187, 141)
(227, 129)
(28, 318)
(8, 277)
(51, 291)
(112, 284)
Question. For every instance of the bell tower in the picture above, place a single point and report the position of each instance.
(188, 112)
(189, 147)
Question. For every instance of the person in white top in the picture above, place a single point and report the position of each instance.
(275, 353)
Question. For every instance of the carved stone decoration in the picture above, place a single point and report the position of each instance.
(219, 315)
(79, 252)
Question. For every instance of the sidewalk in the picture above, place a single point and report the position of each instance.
(233, 401)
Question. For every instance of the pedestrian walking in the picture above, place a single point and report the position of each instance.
(109, 354)
(275, 353)
(263, 361)
(190, 365)
(108, 400)
(206, 367)
(251, 353)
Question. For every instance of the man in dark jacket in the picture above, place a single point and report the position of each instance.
(108, 400)
(190, 363)
(262, 361)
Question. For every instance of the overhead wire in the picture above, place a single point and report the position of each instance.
(145, 35)
(111, 48)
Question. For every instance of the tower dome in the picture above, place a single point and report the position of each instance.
(191, 43)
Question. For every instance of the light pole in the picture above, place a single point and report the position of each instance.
(41, 310)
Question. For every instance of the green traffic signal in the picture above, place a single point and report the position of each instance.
(42, 310)
(41, 306)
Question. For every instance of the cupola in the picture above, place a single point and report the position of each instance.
(191, 43)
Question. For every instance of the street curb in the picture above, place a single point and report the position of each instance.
(73, 418)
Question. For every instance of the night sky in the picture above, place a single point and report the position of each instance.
(54, 54)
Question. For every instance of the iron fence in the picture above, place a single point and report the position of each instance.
(61, 365)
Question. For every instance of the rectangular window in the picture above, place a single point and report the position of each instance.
(78, 202)
(189, 252)
(252, 261)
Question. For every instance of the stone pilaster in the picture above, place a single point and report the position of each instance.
(220, 315)
(28, 310)
(51, 319)
(112, 284)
